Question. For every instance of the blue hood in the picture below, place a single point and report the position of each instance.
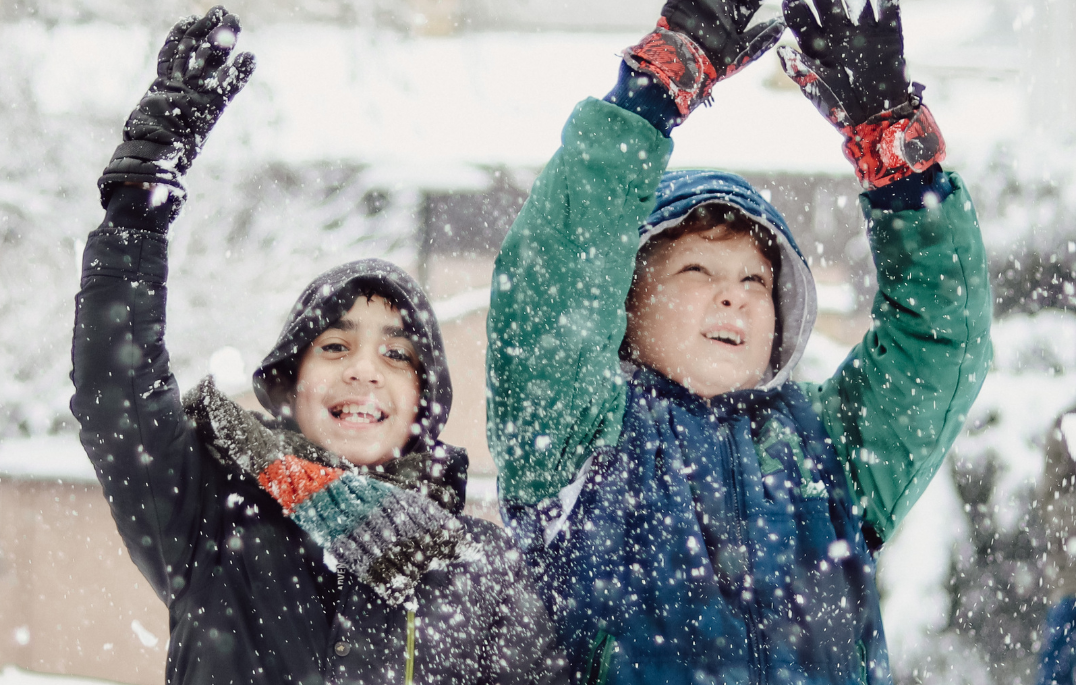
(797, 305)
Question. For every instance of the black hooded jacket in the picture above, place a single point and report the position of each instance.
(249, 595)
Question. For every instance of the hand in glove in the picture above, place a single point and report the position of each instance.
(387, 536)
(194, 83)
(700, 42)
(853, 71)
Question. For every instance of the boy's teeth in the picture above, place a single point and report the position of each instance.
(724, 336)
(360, 413)
(359, 418)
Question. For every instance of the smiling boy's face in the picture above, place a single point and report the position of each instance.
(701, 311)
(358, 388)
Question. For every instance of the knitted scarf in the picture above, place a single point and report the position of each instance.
(386, 524)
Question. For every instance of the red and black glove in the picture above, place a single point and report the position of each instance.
(853, 71)
(700, 42)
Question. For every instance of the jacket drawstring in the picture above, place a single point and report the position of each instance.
(409, 657)
(409, 653)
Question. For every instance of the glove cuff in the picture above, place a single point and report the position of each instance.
(139, 208)
(640, 94)
(142, 161)
(678, 63)
(894, 145)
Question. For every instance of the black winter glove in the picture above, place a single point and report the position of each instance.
(853, 71)
(700, 42)
(861, 62)
(719, 27)
(194, 83)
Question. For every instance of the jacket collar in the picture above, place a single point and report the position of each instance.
(726, 405)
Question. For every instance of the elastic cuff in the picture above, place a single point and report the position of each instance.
(643, 95)
(911, 192)
(149, 209)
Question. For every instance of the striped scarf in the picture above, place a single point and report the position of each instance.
(387, 524)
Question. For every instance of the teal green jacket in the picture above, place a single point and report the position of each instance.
(557, 319)
(677, 539)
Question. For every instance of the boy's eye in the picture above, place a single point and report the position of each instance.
(693, 267)
(396, 354)
(333, 348)
(755, 278)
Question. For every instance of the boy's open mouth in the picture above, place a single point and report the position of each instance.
(727, 337)
(353, 412)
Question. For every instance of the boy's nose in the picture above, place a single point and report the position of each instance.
(726, 297)
(362, 369)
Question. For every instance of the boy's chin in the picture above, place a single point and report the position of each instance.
(362, 459)
(708, 386)
(363, 454)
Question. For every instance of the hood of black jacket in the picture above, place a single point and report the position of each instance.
(325, 301)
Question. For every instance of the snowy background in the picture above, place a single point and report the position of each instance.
(361, 107)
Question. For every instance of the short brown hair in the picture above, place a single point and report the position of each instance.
(708, 217)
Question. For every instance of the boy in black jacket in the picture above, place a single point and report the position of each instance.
(237, 522)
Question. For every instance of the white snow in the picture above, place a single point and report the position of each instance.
(459, 306)
(326, 92)
(1068, 430)
(45, 458)
(1031, 383)
(147, 638)
(11, 675)
(839, 298)
(1020, 401)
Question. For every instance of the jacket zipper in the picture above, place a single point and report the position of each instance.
(754, 639)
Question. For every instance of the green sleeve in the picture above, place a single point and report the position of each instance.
(557, 317)
(901, 397)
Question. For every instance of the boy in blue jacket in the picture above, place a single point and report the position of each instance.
(692, 514)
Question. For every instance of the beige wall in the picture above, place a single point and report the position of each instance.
(68, 591)
(465, 346)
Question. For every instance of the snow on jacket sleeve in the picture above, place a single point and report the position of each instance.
(557, 315)
(901, 397)
(520, 646)
(128, 404)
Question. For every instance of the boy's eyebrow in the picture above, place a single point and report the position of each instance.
(346, 325)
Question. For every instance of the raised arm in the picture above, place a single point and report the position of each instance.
(898, 402)
(557, 316)
(126, 399)
(557, 313)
